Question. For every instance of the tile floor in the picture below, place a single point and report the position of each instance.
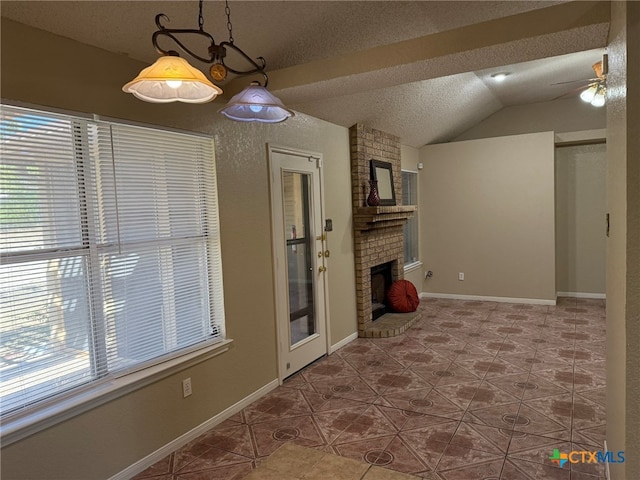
(474, 390)
(293, 462)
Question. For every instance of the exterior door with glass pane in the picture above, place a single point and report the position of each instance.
(300, 262)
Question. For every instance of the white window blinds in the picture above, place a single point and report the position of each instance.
(410, 197)
(110, 255)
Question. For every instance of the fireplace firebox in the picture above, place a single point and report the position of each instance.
(381, 280)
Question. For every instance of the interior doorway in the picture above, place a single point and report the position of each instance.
(580, 190)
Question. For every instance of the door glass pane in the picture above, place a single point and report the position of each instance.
(299, 250)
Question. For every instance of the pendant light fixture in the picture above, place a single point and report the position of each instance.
(172, 79)
(256, 104)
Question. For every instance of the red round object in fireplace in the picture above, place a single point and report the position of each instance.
(403, 297)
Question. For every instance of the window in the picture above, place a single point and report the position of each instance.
(110, 256)
(410, 197)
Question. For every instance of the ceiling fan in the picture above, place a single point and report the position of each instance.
(595, 91)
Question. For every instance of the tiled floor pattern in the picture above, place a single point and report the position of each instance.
(474, 390)
(293, 462)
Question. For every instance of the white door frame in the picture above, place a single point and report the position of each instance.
(279, 263)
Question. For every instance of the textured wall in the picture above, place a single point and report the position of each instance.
(623, 247)
(563, 115)
(617, 241)
(633, 239)
(107, 439)
(487, 209)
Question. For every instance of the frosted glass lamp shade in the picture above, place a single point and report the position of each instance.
(172, 79)
(588, 94)
(598, 99)
(256, 104)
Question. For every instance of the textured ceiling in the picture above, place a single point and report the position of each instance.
(420, 70)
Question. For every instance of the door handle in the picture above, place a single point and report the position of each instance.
(322, 269)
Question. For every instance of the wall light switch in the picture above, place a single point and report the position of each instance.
(461, 276)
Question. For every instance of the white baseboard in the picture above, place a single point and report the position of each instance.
(600, 296)
(343, 342)
(480, 298)
(192, 434)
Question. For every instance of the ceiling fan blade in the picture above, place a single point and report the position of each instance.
(586, 81)
(570, 92)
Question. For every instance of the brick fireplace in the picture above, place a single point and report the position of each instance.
(378, 231)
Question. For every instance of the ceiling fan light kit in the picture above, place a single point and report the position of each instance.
(596, 92)
(172, 79)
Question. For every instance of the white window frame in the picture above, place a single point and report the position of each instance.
(60, 407)
(415, 264)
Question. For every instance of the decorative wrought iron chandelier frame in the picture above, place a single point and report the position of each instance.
(171, 78)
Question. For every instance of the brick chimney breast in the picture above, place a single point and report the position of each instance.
(378, 231)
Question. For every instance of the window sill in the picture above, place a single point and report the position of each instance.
(80, 400)
(412, 266)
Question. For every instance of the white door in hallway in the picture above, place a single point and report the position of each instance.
(300, 257)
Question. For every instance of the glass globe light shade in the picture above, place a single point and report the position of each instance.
(599, 99)
(588, 94)
(256, 104)
(172, 79)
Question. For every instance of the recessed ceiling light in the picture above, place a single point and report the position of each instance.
(499, 77)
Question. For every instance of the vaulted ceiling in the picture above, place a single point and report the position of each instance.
(420, 69)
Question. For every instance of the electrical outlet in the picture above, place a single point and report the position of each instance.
(186, 387)
(461, 276)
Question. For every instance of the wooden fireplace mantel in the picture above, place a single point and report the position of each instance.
(371, 218)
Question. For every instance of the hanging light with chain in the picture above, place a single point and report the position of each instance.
(172, 79)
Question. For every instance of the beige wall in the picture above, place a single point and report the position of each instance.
(488, 211)
(581, 182)
(244, 147)
(566, 115)
(104, 441)
(580, 246)
(633, 240)
(623, 247)
(409, 158)
(415, 276)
